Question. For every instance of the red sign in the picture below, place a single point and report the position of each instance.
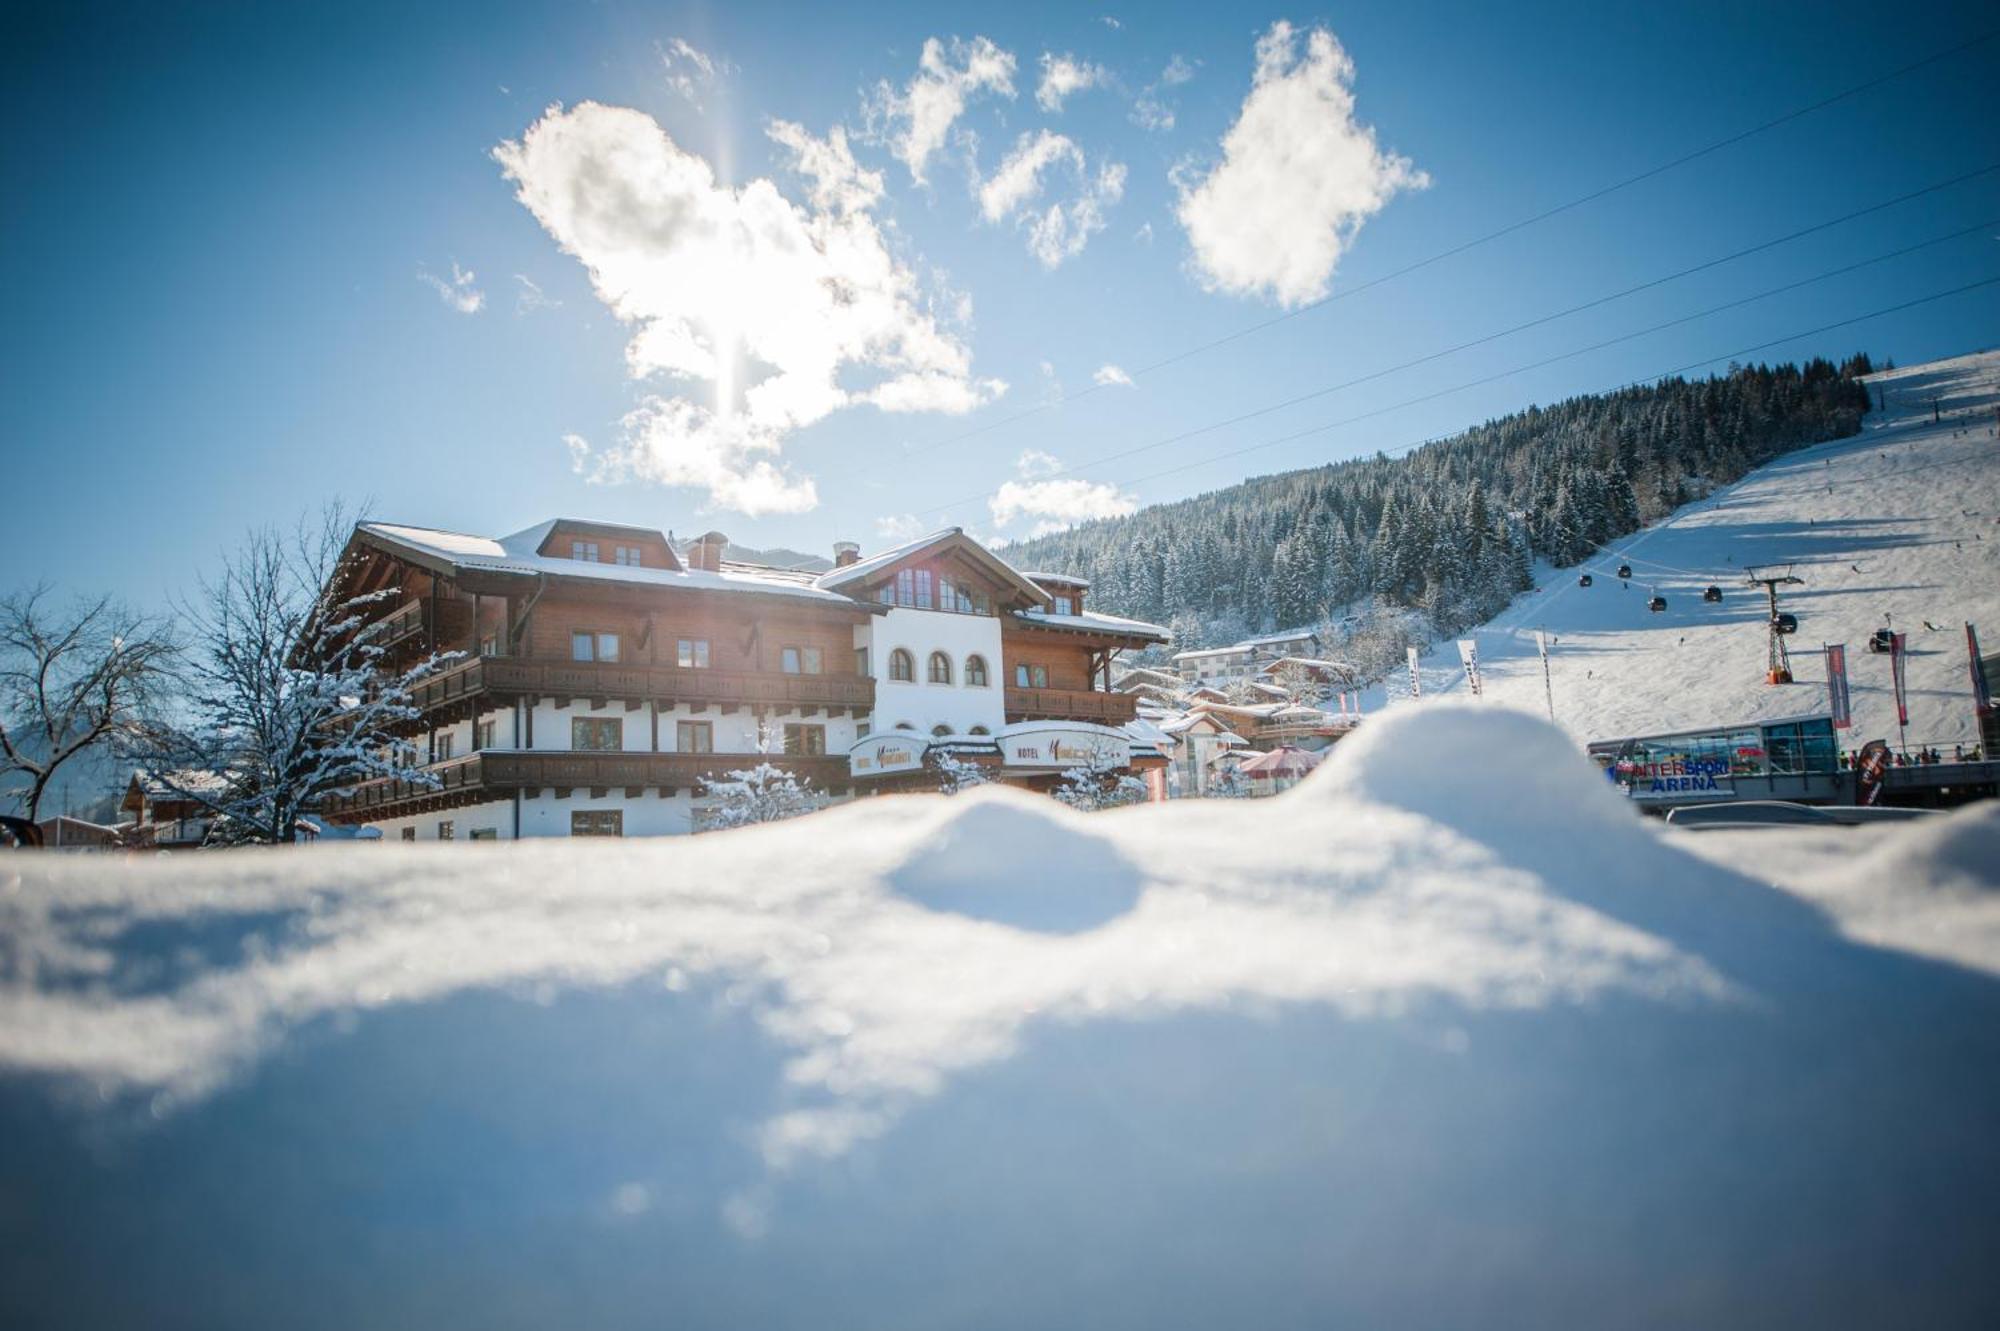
(1836, 686)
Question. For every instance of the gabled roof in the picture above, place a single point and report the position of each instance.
(1092, 622)
(950, 538)
(451, 553)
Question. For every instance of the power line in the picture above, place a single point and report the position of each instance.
(1443, 392)
(1461, 248)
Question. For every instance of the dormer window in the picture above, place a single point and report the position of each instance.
(1065, 605)
(626, 555)
(585, 551)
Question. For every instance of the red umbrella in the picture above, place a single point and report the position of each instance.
(1285, 760)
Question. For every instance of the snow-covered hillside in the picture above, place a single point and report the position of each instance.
(1900, 525)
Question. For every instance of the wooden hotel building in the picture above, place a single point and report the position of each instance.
(603, 675)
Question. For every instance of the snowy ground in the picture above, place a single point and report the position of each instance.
(1447, 1036)
(1902, 520)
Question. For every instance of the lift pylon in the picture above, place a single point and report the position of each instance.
(1778, 663)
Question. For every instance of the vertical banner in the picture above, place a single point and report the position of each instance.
(1416, 676)
(1468, 655)
(1982, 691)
(1548, 682)
(1836, 686)
(1868, 770)
(1897, 651)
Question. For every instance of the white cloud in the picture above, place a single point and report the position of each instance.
(1063, 75)
(691, 72)
(1151, 110)
(1051, 505)
(899, 528)
(460, 292)
(1061, 230)
(1109, 22)
(773, 306)
(915, 121)
(1034, 462)
(1298, 177)
(1112, 376)
(531, 297)
(1144, 235)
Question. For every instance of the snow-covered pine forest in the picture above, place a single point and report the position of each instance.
(1443, 537)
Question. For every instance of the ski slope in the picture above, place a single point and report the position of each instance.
(1901, 521)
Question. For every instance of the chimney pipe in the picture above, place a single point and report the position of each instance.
(845, 553)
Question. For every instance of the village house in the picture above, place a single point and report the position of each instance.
(1242, 660)
(602, 676)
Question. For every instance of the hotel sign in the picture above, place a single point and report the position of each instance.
(879, 755)
(1058, 747)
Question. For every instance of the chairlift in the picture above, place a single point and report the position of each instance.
(1583, 579)
(1657, 604)
(1784, 622)
(1625, 570)
(1712, 595)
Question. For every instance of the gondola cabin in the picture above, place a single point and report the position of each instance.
(1657, 604)
(1583, 580)
(1882, 640)
(1712, 595)
(1624, 570)
(1784, 623)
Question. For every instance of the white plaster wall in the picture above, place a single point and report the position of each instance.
(645, 815)
(922, 704)
(496, 814)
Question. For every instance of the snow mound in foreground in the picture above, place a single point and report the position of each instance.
(1489, 772)
(1018, 859)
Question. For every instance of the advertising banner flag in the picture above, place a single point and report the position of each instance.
(1897, 651)
(1982, 692)
(1868, 770)
(1416, 676)
(1836, 686)
(1468, 655)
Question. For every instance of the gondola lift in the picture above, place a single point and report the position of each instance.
(1657, 604)
(1713, 594)
(1784, 622)
(1625, 571)
(1583, 579)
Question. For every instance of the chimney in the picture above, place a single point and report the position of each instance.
(706, 552)
(845, 553)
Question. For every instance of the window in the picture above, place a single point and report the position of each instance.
(861, 661)
(490, 645)
(584, 550)
(940, 668)
(585, 645)
(804, 739)
(923, 589)
(975, 672)
(692, 654)
(979, 730)
(904, 725)
(485, 834)
(1065, 606)
(940, 732)
(441, 748)
(445, 830)
(483, 736)
(627, 555)
(597, 822)
(597, 734)
(1031, 677)
(800, 660)
(409, 834)
(861, 729)
(906, 586)
(694, 737)
(902, 666)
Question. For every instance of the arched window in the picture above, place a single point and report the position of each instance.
(940, 732)
(902, 665)
(979, 730)
(940, 668)
(975, 672)
(904, 725)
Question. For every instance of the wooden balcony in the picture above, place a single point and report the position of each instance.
(604, 681)
(1105, 709)
(401, 625)
(499, 773)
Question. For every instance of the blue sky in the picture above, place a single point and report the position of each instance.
(233, 241)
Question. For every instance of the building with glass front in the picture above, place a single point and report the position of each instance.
(1796, 759)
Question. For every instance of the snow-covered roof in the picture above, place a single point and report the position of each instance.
(516, 554)
(861, 570)
(1092, 622)
(1310, 663)
(1289, 635)
(1059, 579)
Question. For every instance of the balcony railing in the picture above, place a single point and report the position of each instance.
(513, 675)
(496, 773)
(1111, 709)
(401, 625)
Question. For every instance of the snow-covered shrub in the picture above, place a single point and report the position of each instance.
(1101, 783)
(765, 793)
